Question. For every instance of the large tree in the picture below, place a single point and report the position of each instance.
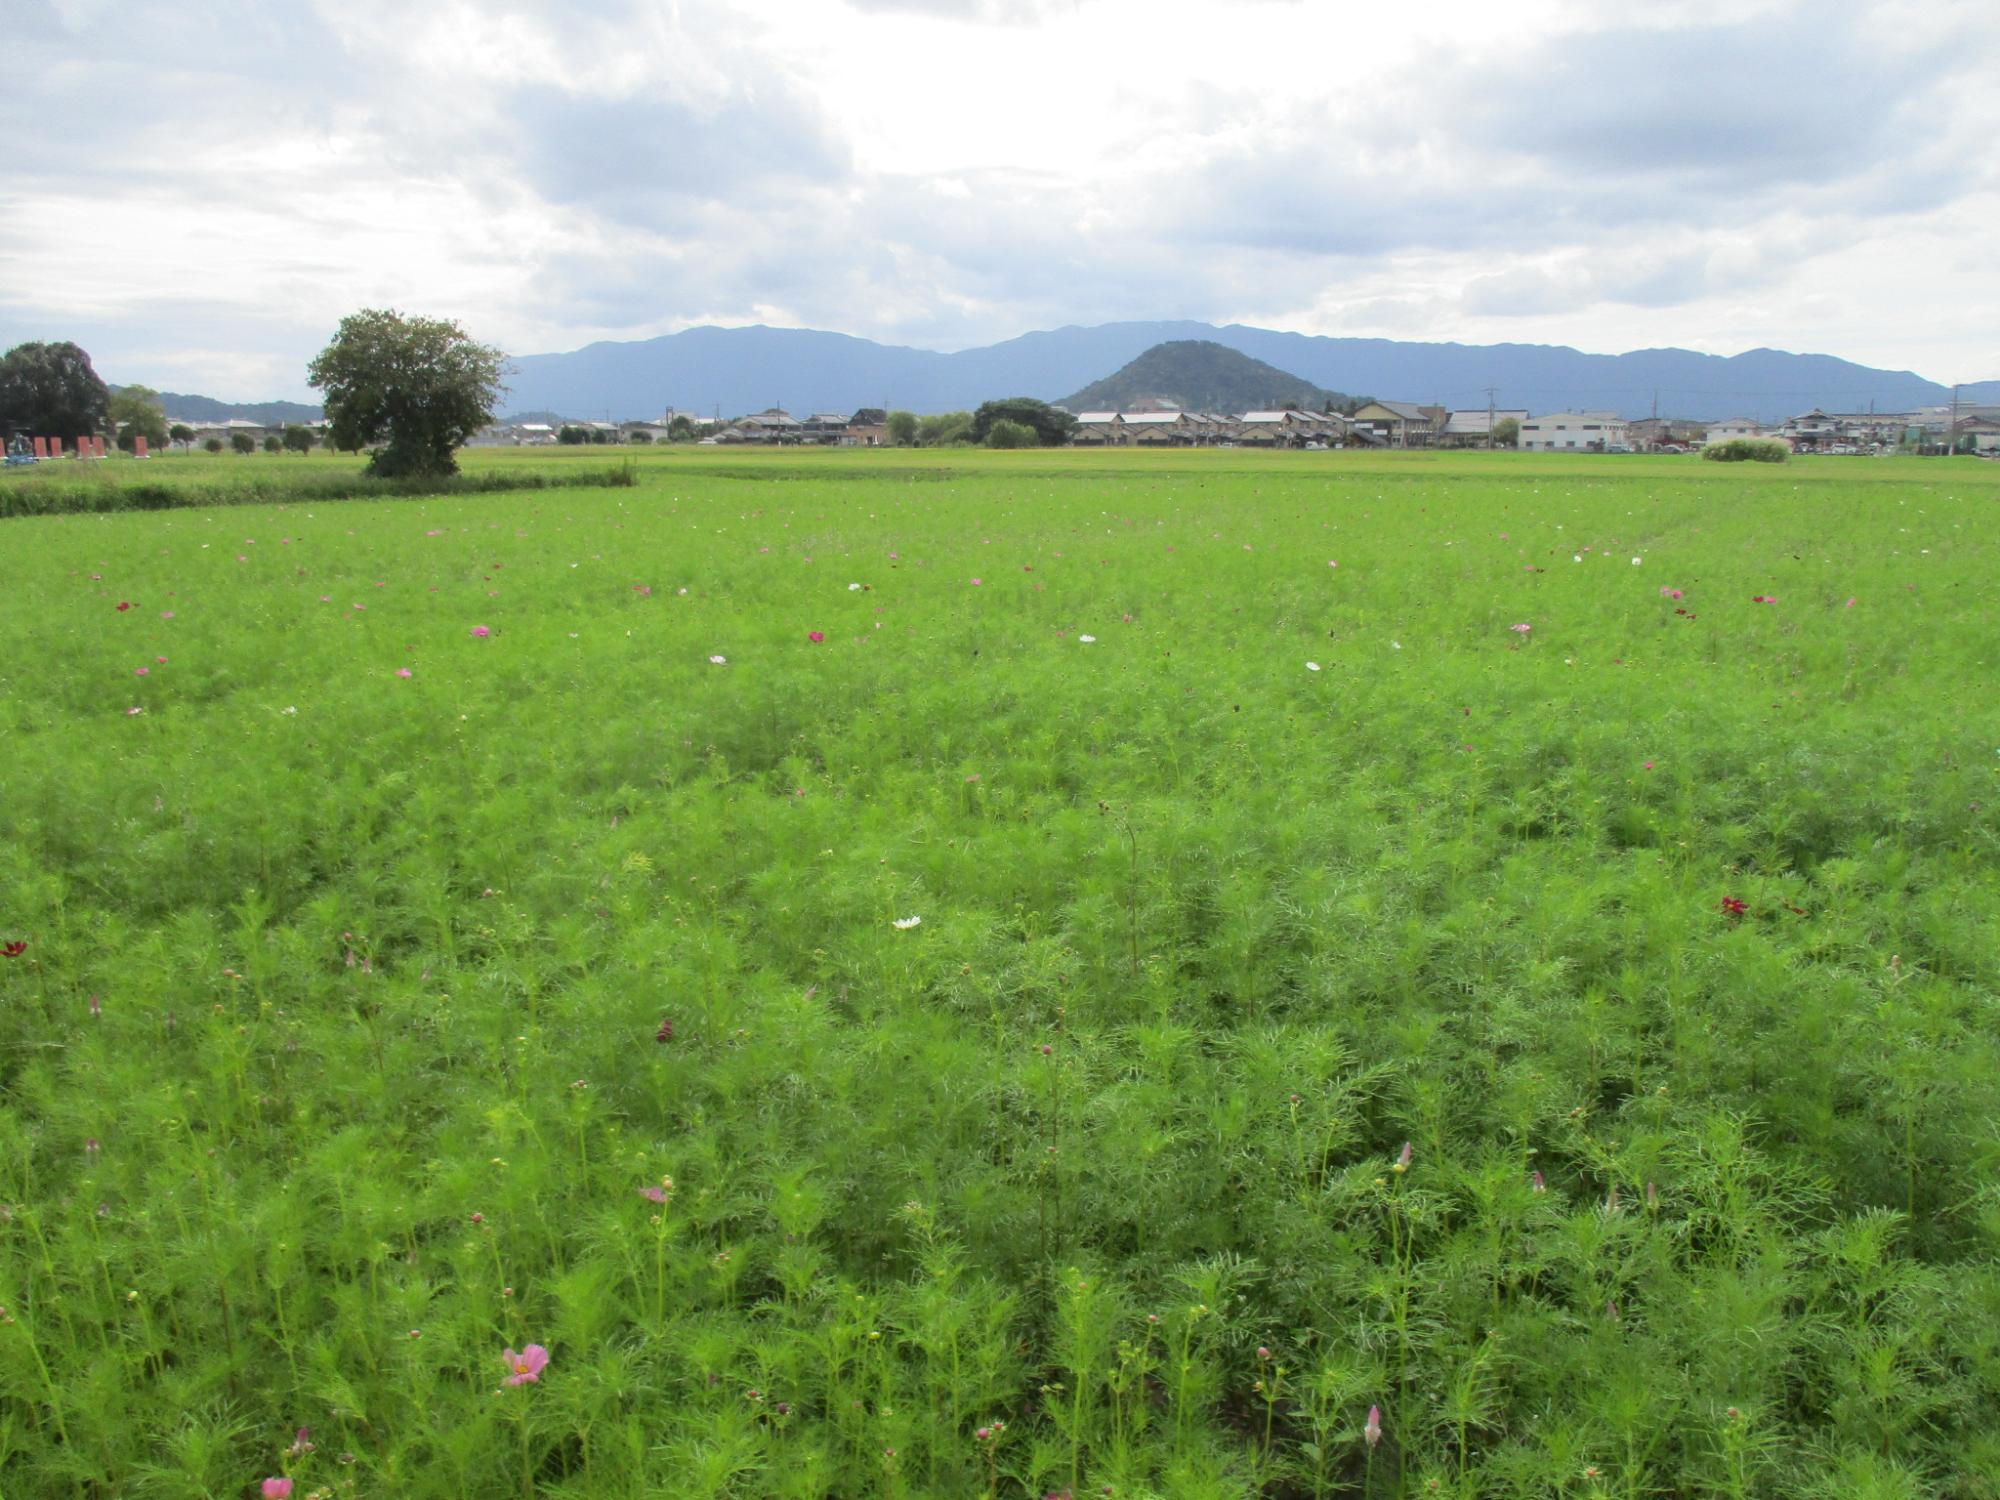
(135, 413)
(51, 390)
(419, 387)
(1052, 425)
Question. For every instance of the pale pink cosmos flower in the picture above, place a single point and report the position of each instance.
(142, 671)
(1848, 605)
(1372, 1429)
(403, 672)
(1522, 629)
(527, 1365)
(975, 583)
(482, 631)
(653, 1194)
(275, 1489)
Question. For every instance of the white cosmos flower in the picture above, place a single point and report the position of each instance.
(854, 588)
(904, 924)
(1577, 558)
(1636, 561)
(1312, 666)
(719, 660)
(1395, 645)
(1088, 640)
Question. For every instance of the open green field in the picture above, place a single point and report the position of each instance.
(1133, 980)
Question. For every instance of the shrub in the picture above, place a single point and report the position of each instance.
(1005, 434)
(1748, 450)
(242, 442)
(213, 445)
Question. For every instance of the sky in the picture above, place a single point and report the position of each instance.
(198, 192)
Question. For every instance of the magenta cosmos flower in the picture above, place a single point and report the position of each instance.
(815, 636)
(275, 1489)
(482, 631)
(527, 1365)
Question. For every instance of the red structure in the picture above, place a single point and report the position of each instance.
(41, 448)
(139, 445)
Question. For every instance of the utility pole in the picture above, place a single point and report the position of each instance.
(1951, 432)
(1489, 416)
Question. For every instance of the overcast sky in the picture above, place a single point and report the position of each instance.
(197, 192)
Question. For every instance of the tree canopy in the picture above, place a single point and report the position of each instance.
(51, 389)
(135, 413)
(1052, 425)
(902, 428)
(419, 387)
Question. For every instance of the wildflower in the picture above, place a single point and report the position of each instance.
(1539, 1182)
(275, 1489)
(123, 606)
(142, 672)
(666, 1031)
(1331, 563)
(653, 1194)
(403, 672)
(1652, 1198)
(134, 709)
(1522, 629)
(301, 1444)
(1405, 1157)
(718, 661)
(1372, 1429)
(904, 924)
(527, 1365)
(96, 1008)
(90, 1147)
(1395, 645)
(14, 949)
(1763, 598)
(1649, 765)
(481, 631)
(854, 588)
(1732, 907)
(1263, 1352)
(1848, 605)
(1088, 640)
(1636, 561)
(815, 636)
(166, 614)
(1312, 666)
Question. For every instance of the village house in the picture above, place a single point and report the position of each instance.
(1474, 429)
(770, 426)
(1732, 428)
(1649, 434)
(1574, 431)
(1401, 424)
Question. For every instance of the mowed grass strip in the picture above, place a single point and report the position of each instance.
(442, 927)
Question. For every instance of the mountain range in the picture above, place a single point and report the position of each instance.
(730, 371)
(735, 370)
(1197, 375)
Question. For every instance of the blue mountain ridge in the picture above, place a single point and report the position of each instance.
(735, 370)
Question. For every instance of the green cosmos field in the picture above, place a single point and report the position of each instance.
(1175, 967)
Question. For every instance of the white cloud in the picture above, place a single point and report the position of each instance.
(1714, 176)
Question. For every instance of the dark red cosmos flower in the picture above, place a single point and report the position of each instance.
(666, 1031)
(1732, 907)
(123, 605)
(14, 949)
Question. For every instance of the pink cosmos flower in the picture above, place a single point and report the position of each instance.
(142, 671)
(166, 614)
(815, 636)
(527, 1365)
(1763, 598)
(653, 1194)
(1522, 629)
(1649, 765)
(403, 672)
(482, 631)
(275, 1489)
(1372, 1429)
(975, 583)
(1848, 605)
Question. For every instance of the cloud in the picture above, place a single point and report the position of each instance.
(551, 176)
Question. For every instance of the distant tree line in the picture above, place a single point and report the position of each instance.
(1016, 422)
